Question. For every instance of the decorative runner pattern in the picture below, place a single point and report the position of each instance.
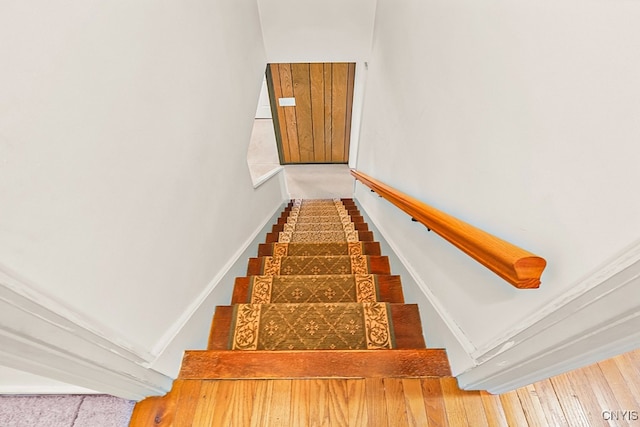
(318, 208)
(310, 202)
(317, 249)
(304, 219)
(316, 291)
(308, 226)
(313, 289)
(315, 265)
(295, 214)
(339, 326)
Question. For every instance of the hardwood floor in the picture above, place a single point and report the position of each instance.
(577, 398)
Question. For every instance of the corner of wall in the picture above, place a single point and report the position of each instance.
(191, 331)
(37, 334)
(598, 318)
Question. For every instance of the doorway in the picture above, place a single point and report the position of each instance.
(311, 105)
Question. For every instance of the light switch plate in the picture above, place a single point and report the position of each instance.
(287, 102)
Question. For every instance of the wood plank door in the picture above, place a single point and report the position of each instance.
(311, 105)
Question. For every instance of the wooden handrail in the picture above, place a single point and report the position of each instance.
(515, 265)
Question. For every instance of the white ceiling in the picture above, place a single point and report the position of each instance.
(312, 31)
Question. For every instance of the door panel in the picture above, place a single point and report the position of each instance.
(328, 79)
(302, 94)
(317, 128)
(290, 126)
(316, 72)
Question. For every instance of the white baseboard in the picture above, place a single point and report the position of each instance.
(600, 322)
(587, 291)
(181, 328)
(41, 336)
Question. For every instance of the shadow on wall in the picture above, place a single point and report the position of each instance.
(262, 156)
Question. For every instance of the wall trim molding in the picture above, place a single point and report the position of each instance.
(22, 292)
(178, 325)
(36, 336)
(564, 304)
(600, 322)
(541, 367)
(42, 336)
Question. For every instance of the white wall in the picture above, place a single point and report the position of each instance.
(312, 31)
(123, 137)
(520, 118)
(20, 382)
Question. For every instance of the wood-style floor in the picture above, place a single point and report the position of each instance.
(578, 398)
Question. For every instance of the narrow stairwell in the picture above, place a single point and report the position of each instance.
(319, 302)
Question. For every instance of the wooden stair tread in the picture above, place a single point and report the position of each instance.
(229, 364)
(390, 288)
(405, 320)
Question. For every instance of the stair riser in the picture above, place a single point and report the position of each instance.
(377, 265)
(390, 290)
(315, 364)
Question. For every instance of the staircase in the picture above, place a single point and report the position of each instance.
(319, 301)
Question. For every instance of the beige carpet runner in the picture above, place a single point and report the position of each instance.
(339, 326)
(316, 291)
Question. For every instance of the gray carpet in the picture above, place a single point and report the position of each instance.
(65, 411)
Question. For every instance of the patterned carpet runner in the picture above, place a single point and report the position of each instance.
(316, 291)
(339, 326)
